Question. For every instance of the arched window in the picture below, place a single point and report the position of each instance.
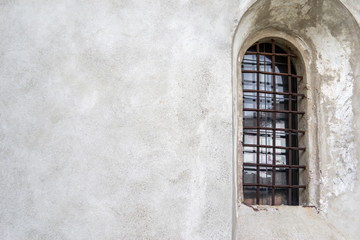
(270, 126)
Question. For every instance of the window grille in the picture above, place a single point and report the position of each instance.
(270, 126)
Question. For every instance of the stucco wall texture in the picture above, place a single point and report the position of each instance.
(116, 122)
(116, 119)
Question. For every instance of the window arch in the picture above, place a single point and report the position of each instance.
(271, 115)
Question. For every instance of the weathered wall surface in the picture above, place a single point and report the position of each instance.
(326, 34)
(116, 119)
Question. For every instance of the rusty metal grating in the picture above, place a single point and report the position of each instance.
(270, 126)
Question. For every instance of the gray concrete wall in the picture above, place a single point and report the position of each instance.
(116, 123)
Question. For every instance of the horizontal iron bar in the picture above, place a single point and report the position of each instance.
(276, 129)
(269, 134)
(272, 73)
(272, 165)
(271, 54)
(269, 146)
(271, 110)
(270, 92)
(272, 186)
(265, 152)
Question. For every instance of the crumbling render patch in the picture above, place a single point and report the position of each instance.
(326, 35)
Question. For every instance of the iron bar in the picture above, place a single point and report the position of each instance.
(271, 54)
(277, 93)
(275, 165)
(269, 110)
(290, 127)
(275, 186)
(258, 122)
(276, 129)
(272, 73)
(274, 123)
(270, 146)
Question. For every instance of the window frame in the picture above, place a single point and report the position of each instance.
(304, 199)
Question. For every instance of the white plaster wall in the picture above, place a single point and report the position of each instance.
(116, 119)
(116, 123)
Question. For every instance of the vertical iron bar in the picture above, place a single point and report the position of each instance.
(290, 129)
(274, 124)
(258, 123)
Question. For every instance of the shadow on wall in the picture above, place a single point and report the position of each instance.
(326, 35)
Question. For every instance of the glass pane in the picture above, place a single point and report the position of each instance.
(249, 62)
(266, 137)
(282, 138)
(294, 140)
(265, 47)
(281, 65)
(266, 155)
(294, 103)
(295, 157)
(252, 49)
(249, 81)
(282, 84)
(266, 175)
(281, 196)
(282, 120)
(249, 174)
(294, 84)
(294, 121)
(266, 101)
(266, 82)
(265, 63)
(250, 195)
(282, 102)
(250, 137)
(250, 154)
(282, 176)
(249, 100)
(295, 176)
(265, 196)
(295, 196)
(281, 156)
(266, 119)
(249, 119)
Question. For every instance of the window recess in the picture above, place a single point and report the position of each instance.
(270, 126)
